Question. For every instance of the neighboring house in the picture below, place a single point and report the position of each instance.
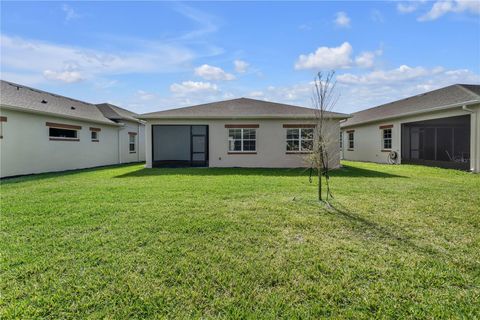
(437, 128)
(44, 132)
(235, 133)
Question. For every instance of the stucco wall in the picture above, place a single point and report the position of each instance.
(368, 138)
(125, 155)
(25, 147)
(271, 144)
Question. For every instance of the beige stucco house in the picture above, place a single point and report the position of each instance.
(235, 133)
(438, 128)
(45, 132)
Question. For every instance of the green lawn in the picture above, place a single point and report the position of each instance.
(127, 242)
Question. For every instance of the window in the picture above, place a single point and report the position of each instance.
(242, 140)
(387, 139)
(299, 139)
(341, 140)
(94, 133)
(62, 133)
(351, 140)
(2, 119)
(132, 142)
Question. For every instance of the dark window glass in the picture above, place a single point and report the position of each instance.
(292, 145)
(94, 135)
(307, 145)
(387, 139)
(62, 133)
(351, 140)
(132, 143)
(292, 134)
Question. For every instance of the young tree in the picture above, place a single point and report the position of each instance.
(325, 140)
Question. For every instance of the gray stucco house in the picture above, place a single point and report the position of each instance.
(235, 133)
(437, 128)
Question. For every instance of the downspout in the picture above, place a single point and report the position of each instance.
(138, 142)
(474, 161)
(118, 144)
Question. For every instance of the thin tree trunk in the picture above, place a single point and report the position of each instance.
(319, 184)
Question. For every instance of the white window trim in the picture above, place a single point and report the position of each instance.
(134, 143)
(241, 140)
(352, 140)
(300, 150)
(384, 139)
(63, 138)
(97, 139)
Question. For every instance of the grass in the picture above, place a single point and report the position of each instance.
(127, 242)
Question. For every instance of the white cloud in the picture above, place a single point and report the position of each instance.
(64, 76)
(326, 58)
(241, 66)
(407, 7)
(145, 96)
(213, 73)
(70, 14)
(401, 73)
(256, 94)
(342, 20)
(443, 7)
(188, 87)
(59, 62)
(366, 59)
(365, 90)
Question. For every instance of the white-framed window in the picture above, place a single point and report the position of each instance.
(242, 140)
(351, 140)
(2, 120)
(94, 135)
(387, 138)
(62, 133)
(132, 142)
(299, 139)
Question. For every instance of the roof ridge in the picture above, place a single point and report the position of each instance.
(45, 92)
(463, 86)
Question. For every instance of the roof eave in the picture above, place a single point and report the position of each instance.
(280, 117)
(408, 114)
(26, 110)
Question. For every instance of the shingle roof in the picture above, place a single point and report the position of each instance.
(113, 112)
(242, 108)
(22, 97)
(425, 102)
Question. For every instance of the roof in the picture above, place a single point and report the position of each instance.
(451, 96)
(29, 99)
(113, 112)
(242, 108)
(22, 97)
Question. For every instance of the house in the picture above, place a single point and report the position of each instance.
(45, 132)
(235, 133)
(437, 128)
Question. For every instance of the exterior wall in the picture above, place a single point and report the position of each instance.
(271, 144)
(125, 155)
(368, 137)
(475, 139)
(25, 147)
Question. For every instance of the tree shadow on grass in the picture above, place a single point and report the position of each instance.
(367, 227)
(346, 171)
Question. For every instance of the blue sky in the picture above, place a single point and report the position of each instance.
(149, 56)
